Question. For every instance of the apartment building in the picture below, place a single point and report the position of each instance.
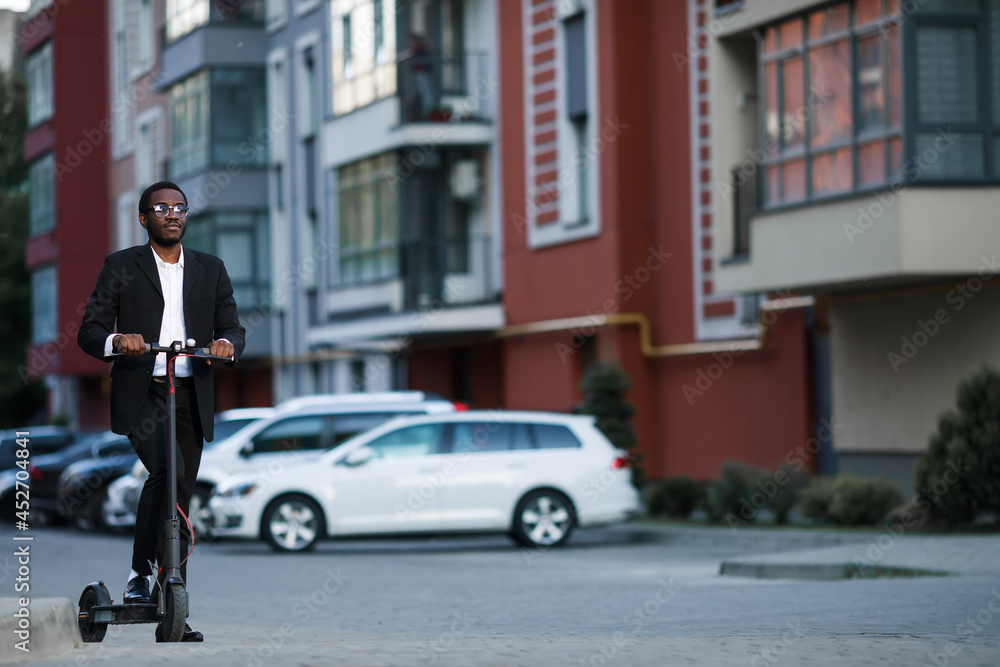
(609, 255)
(394, 232)
(859, 146)
(212, 121)
(66, 145)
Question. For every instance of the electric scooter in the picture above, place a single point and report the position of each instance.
(170, 610)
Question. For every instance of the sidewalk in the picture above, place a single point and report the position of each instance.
(878, 554)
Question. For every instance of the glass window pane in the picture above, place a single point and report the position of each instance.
(554, 436)
(832, 172)
(995, 56)
(771, 192)
(958, 156)
(895, 156)
(946, 75)
(867, 11)
(893, 41)
(43, 305)
(347, 426)
(996, 156)
(238, 123)
(871, 106)
(770, 40)
(481, 437)
(419, 440)
(290, 435)
(793, 175)
(771, 123)
(790, 34)
(949, 7)
(871, 164)
(793, 125)
(828, 21)
(521, 437)
(236, 251)
(830, 76)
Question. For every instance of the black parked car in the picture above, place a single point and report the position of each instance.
(44, 471)
(83, 486)
(42, 440)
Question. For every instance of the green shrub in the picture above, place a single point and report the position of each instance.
(849, 500)
(958, 477)
(730, 494)
(675, 496)
(789, 482)
(815, 499)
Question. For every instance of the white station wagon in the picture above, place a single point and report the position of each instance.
(534, 476)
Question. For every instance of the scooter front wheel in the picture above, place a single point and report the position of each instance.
(171, 628)
(89, 630)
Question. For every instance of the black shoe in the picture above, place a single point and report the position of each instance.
(137, 591)
(188, 636)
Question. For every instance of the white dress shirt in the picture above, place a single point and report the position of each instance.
(172, 326)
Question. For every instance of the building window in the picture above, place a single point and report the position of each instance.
(956, 87)
(147, 36)
(574, 33)
(277, 13)
(216, 119)
(38, 71)
(832, 102)
(42, 197)
(241, 240)
(121, 105)
(363, 64)
(368, 212)
(43, 305)
(308, 94)
(183, 16)
(237, 110)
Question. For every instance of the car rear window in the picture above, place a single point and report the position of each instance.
(554, 436)
(496, 437)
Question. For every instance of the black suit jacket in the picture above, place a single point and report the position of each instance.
(128, 294)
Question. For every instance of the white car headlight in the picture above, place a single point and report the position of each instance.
(243, 489)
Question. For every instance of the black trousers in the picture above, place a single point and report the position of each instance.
(149, 439)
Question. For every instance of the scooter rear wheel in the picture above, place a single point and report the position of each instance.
(171, 629)
(90, 631)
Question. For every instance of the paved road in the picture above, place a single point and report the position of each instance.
(630, 595)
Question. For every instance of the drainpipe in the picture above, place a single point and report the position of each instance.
(645, 330)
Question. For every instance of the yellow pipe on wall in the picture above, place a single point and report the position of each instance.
(645, 329)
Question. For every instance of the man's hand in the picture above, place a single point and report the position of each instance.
(221, 348)
(130, 344)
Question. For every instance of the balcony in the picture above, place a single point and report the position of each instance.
(892, 238)
(441, 286)
(184, 17)
(417, 100)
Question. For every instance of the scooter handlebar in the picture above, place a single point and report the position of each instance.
(196, 352)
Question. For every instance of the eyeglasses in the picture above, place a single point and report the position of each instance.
(160, 210)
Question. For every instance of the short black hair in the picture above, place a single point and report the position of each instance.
(159, 185)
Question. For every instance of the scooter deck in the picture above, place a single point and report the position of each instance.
(121, 614)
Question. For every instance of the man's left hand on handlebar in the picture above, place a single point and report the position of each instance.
(221, 348)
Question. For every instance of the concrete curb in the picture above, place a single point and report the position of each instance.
(52, 628)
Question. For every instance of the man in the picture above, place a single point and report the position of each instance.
(160, 293)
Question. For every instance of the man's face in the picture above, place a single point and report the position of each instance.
(168, 230)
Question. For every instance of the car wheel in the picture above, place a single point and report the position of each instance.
(199, 514)
(292, 523)
(543, 519)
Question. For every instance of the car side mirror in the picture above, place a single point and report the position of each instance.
(359, 456)
(246, 451)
